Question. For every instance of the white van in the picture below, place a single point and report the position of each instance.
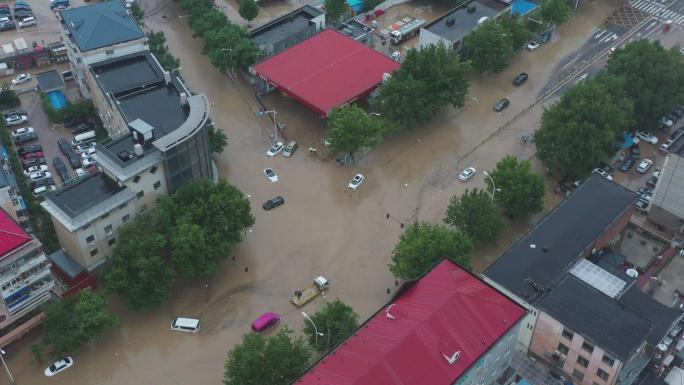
(189, 325)
(85, 137)
(27, 21)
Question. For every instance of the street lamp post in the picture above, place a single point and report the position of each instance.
(2, 354)
(275, 125)
(494, 189)
(232, 68)
(315, 330)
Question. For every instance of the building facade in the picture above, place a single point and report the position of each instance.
(288, 30)
(667, 209)
(10, 198)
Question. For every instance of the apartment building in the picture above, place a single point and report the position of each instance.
(667, 209)
(97, 32)
(25, 280)
(159, 142)
(10, 198)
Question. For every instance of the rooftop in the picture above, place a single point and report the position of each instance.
(409, 340)
(669, 193)
(49, 81)
(459, 22)
(543, 256)
(285, 26)
(337, 70)
(662, 317)
(11, 234)
(79, 197)
(100, 25)
(67, 264)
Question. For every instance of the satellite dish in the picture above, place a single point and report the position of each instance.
(632, 273)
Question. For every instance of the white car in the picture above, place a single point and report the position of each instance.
(271, 175)
(644, 165)
(646, 137)
(38, 175)
(275, 149)
(603, 173)
(466, 174)
(87, 153)
(32, 169)
(81, 148)
(79, 172)
(356, 181)
(42, 190)
(21, 78)
(59, 366)
(666, 145)
(396, 56)
(532, 45)
(23, 131)
(89, 161)
(16, 119)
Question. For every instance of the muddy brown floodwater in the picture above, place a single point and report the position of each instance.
(323, 228)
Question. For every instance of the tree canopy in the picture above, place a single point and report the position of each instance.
(273, 360)
(555, 11)
(336, 320)
(520, 190)
(583, 127)
(157, 43)
(217, 139)
(489, 47)
(334, 9)
(248, 9)
(476, 215)
(423, 244)
(73, 321)
(653, 79)
(352, 129)
(428, 80)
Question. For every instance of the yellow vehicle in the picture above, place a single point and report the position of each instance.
(301, 297)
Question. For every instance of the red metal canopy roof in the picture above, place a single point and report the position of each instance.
(408, 341)
(326, 70)
(11, 235)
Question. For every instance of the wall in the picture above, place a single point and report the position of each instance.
(613, 230)
(665, 219)
(112, 119)
(427, 38)
(549, 333)
(526, 324)
(187, 161)
(493, 363)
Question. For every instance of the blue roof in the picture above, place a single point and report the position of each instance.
(524, 382)
(356, 5)
(101, 25)
(522, 7)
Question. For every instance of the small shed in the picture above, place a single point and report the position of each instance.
(49, 81)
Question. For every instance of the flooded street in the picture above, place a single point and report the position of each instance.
(323, 228)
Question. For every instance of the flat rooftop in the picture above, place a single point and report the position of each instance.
(128, 72)
(285, 26)
(465, 19)
(49, 81)
(80, 197)
(326, 70)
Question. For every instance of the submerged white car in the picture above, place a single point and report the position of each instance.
(271, 175)
(356, 181)
(466, 174)
(275, 150)
(59, 366)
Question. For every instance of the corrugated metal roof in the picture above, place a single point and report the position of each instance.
(669, 193)
(449, 310)
(11, 235)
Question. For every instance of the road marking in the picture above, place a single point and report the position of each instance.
(658, 10)
(600, 33)
(609, 38)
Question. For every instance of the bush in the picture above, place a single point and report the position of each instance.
(8, 98)
(52, 113)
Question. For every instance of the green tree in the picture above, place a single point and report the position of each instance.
(351, 129)
(519, 190)
(217, 139)
(336, 320)
(653, 79)
(248, 9)
(137, 269)
(8, 98)
(423, 244)
(477, 216)
(229, 47)
(488, 47)
(210, 22)
(157, 43)
(584, 126)
(334, 9)
(137, 12)
(274, 360)
(516, 31)
(428, 80)
(72, 322)
(555, 11)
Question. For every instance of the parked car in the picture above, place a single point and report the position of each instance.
(74, 159)
(21, 78)
(64, 145)
(520, 79)
(15, 120)
(271, 175)
(38, 168)
(29, 149)
(646, 137)
(25, 138)
(646, 197)
(275, 149)
(37, 154)
(645, 190)
(603, 173)
(26, 163)
(89, 161)
(532, 45)
(42, 182)
(290, 149)
(501, 104)
(60, 167)
(73, 121)
(356, 181)
(666, 121)
(635, 151)
(396, 56)
(641, 206)
(466, 174)
(38, 175)
(679, 111)
(627, 164)
(652, 181)
(666, 145)
(42, 189)
(59, 366)
(644, 165)
(23, 131)
(7, 26)
(87, 153)
(273, 203)
(27, 22)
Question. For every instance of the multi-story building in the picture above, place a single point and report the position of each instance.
(159, 142)
(25, 280)
(448, 327)
(586, 316)
(97, 32)
(667, 208)
(10, 198)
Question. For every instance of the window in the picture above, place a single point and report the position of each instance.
(111, 241)
(589, 348)
(157, 184)
(93, 252)
(577, 374)
(140, 194)
(568, 334)
(153, 170)
(582, 361)
(602, 375)
(563, 349)
(90, 238)
(125, 218)
(108, 229)
(608, 360)
(136, 179)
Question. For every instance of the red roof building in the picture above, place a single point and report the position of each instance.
(11, 235)
(326, 71)
(448, 326)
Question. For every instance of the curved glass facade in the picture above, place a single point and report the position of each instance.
(189, 160)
